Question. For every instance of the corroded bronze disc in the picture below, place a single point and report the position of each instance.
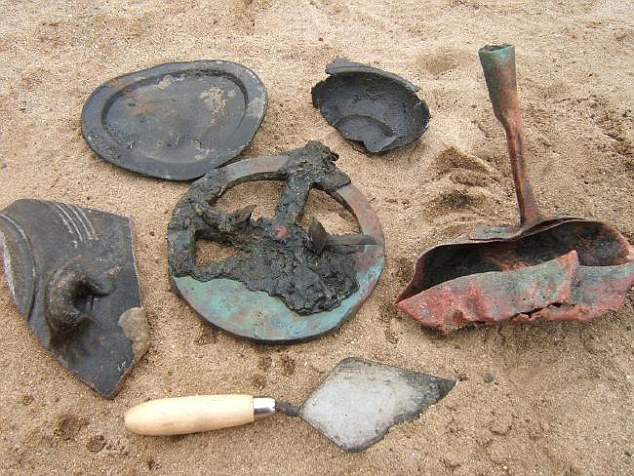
(279, 287)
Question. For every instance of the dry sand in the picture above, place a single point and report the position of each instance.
(548, 398)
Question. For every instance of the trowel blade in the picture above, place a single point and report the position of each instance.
(360, 400)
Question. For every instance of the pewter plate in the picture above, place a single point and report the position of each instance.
(175, 121)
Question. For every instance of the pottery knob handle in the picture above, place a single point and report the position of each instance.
(180, 415)
(79, 277)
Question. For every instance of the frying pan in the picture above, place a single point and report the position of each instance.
(551, 268)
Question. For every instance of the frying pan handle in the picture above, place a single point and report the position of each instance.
(498, 63)
(181, 415)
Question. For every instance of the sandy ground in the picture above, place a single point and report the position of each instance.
(532, 399)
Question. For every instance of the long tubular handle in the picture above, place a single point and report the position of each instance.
(180, 415)
(498, 63)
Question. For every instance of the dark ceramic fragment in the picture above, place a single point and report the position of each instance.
(175, 121)
(371, 106)
(281, 285)
(72, 274)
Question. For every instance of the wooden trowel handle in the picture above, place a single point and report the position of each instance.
(180, 415)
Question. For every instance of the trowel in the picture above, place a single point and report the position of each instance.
(354, 406)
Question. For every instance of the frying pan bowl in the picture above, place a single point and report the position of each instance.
(596, 244)
(548, 268)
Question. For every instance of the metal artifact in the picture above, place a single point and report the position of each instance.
(551, 268)
(175, 121)
(284, 284)
(371, 106)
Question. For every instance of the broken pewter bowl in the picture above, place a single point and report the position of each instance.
(371, 106)
(175, 121)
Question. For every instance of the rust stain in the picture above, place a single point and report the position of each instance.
(549, 268)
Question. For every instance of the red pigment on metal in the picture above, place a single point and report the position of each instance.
(554, 268)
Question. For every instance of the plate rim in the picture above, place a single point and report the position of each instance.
(105, 146)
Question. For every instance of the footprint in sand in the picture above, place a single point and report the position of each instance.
(463, 191)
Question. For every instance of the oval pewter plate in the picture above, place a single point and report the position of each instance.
(175, 121)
